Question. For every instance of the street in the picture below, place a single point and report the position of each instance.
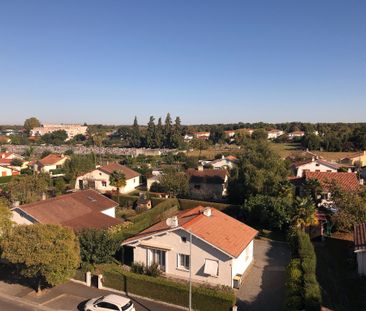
(9, 304)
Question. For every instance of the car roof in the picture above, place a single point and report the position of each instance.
(115, 299)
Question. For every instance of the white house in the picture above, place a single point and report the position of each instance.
(296, 134)
(220, 253)
(315, 165)
(78, 210)
(98, 179)
(359, 234)
(7, 171)
(273, 134)
(228, 162)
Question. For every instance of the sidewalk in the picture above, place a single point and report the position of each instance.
(69, 296)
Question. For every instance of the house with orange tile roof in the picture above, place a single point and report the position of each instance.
(50, 163)
(217, 248)
(99, 179)
(78, 210)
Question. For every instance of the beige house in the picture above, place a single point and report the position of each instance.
(360, 247)
(220, 253)
(99, 179)
(50, 163)
(359, 157)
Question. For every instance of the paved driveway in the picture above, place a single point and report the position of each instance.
(263, 287)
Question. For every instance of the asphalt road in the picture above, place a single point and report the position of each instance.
(11, 305)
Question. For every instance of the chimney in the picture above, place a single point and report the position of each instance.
(362, 182)
(172, 222)
(200, 167)
(15, 204)
(207, 211)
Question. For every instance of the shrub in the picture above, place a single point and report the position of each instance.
(138, 268)
(203, 298)
(153, 270)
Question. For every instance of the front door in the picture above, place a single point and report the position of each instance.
(81, 184)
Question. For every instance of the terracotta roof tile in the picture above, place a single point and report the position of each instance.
(219, 230)
(110, 168)
(359, 235)
(51, 159)
(209, 176)
(346, 181)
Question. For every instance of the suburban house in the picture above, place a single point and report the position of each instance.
(201, 135)
(99, 179)
(357, 158)
(314, 165)
(6, 160)
(359, 237)
(228, 162)
(345, 181)
(221, 247)
(71, 129)
(295, 134)
(7, 171)
(78, 210)
(50, 163)
(273, 134)
(188, 137)
(207, 184)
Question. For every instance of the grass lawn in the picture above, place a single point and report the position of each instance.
(341, 287)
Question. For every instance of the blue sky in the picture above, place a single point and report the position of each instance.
(207, 61)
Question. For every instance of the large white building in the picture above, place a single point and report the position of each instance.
(220, 253)
(99, 179)
(71, 129)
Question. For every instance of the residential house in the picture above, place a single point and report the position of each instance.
(188, 137)
(6, 159)
(359, 234)
(78, 210)
(99, 179)
(71, 129)
(207, 184)
(202, 135)
(356, 158)
(314, 165)
(51, 164)
(228, 163)
(273, 134)
(216, 247)
(296, 134)
(7, 171)
(229, 134)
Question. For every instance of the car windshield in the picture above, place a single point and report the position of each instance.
(99, 300)
(127, 306)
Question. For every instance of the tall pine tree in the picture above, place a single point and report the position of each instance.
(159, 134)
(177, 139)
(151, 133)
(135, 134)
(168, 131)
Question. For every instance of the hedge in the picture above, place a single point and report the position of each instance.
(230, 209)
(302, 287)
(203, 298)
(80, 275)
(5, 179)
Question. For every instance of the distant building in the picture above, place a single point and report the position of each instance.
(71, 129)
(273, 134)
(228, 162)
(356, 158)
(207, 184)
(314, 165)
(7, 171)
(202, 135)
(296, 134)
(98, 179)
(78, 210)
(50, 163)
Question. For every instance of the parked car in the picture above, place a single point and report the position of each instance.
(108, 303)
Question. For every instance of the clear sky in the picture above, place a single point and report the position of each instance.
(207, 61)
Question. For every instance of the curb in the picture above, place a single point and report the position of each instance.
(25, 302)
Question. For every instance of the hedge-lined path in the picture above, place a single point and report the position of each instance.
(263, 286)
(70, 296)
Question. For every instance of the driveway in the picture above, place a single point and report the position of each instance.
(263, 287)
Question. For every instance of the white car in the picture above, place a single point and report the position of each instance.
(108, 303)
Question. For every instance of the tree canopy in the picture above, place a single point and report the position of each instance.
(31, 123)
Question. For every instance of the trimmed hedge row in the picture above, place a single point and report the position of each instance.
(302, 287)
(230, 209)
(203, 298)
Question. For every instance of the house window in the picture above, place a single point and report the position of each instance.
(156, 256)
(104, 184)
(183, 261)
(197, 187)
(183, 239)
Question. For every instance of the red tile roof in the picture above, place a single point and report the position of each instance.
(359, 235)
(208, 176)
(346, 181)
(82, 209)
(51, 159)
(110, 168)
(220, 230)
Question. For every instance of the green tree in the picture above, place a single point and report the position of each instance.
(47, 254)
(159, 134)
(177, 134)
(31, 123)
(5, 217)
(174, 182)
(151, 133)
(304, 213)
(260, 134)
(16, 162)
(168, 131)
(55, 138)
(117, 179)
(135, 134)
(97, 246)
(28, 188)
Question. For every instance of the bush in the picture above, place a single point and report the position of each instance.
(203, 298)
(138, 268)
(153, 270)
